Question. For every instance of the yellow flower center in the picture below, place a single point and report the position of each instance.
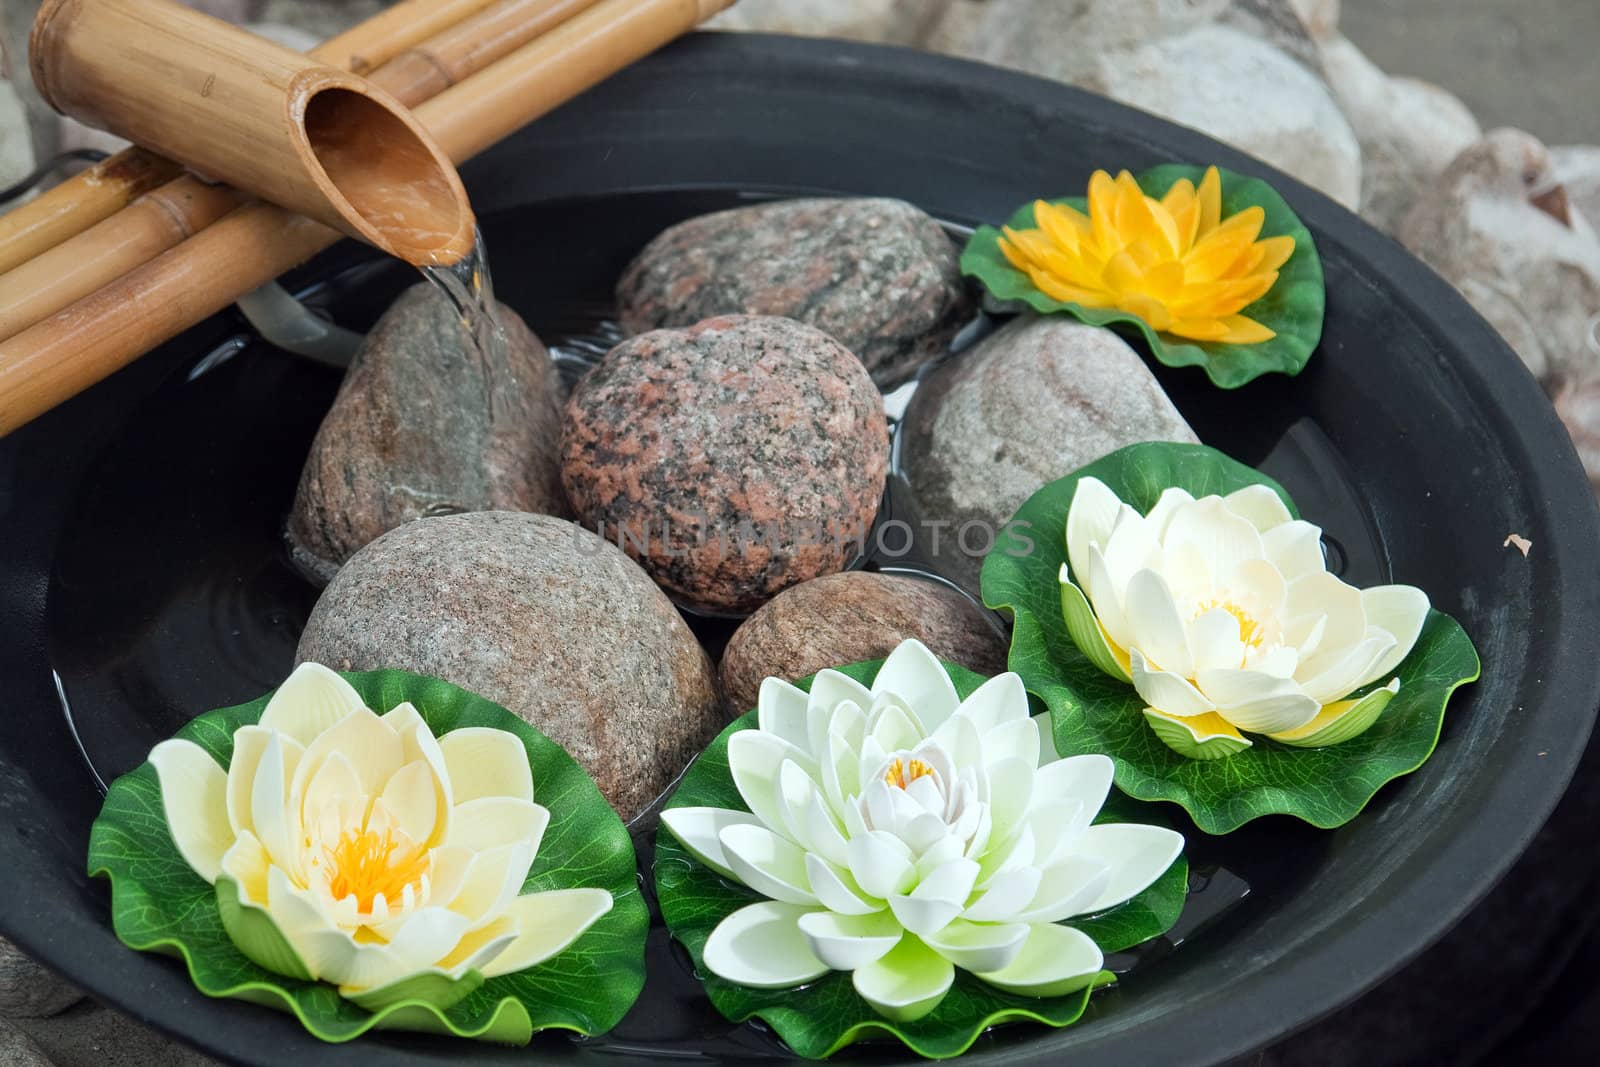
(900, 775)
(1174, 262)
(365, 863)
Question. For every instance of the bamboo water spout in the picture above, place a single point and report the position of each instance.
(319, 141)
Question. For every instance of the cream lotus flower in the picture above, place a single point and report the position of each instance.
(357, 849)
(1222, 614)
(901, 832)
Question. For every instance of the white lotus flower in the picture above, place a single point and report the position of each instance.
(376, 851)
(1222, 614)
(901, 832)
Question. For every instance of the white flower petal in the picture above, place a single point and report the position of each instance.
(1132, 547)
(426, 936)
(1086, 779)
(1017, 851)
(412, 799)
(1223, 539)
(277, 828)
(781, 710)
(1011, 785)
(1056, 827)
(795, 790)
(1017, 739)
(881, 864)
(374, 750)
(772, 865)
(831, 689)
(194, 794)
(761, 946)
(1090, 519)
(845, 942)
(916, 676)
(1329, 679)
(892, 725)
(1068, 888)
(478, 947)
(1047, 741)
(979, 947)
(249, 742)
(1295, 548)
(1002, 699)
(547, 924)
(1258, 702)
(1106, 597)
(841, 771)
(907, 983)
(822, 830)
(1260, 505)
(1158, 632)
(699, 831)
(493, 879)
(485, 762)
(755, 759)
(937, 899)
(960, 738)
(1135, 853)
(1054, 961)
(1214, 640)
(309, 702)
(494, 822)
(1007, 895)
(1324, 594)
(1165, 690)
(1167, 505)
(836, 888)
(1401, 611)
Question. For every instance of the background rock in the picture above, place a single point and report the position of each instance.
(93, 1035)
(900, 22)
(879, 276)
(1496, 226)
(18, 1050)
(1032, 403)
(16, 142)
(542, 617)
(1578, 404)
(1320, 17)
(423, 425)
(30, 989)
(850, 617)
(1409, 130)
(1577, 168)
(732, 459)
(320, 18)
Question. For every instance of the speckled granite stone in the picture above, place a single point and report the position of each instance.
(850, 617)
(421, 428)
(541, 617)
(1032, 403)
(732, 459)
(28, 989)
(18, 1050)
(879, 276)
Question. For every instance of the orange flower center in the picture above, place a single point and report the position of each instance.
(365, 863)
(900, 775)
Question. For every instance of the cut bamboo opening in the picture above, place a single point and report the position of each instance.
(317, 140)
(84, 343)
(161, 218)
(102, 190)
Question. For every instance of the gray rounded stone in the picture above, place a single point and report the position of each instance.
(732, 459)
(1031, 403)
(29, 989)
(425, 425)
(879, 276)
(851, 617)
(542, 617)
(18, 1050)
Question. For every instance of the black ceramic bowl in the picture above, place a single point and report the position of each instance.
(144, 580)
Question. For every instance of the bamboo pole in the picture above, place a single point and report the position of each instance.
(160, 219)
(265, 119)
(102, 190)
(79, 345)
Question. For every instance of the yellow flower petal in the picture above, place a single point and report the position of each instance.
(1245, 331)
(1151, 310)
(1062, 224)
(1056, 289)
(1277, 251)
(1102, 204)
(1210, 197)
(1199, 329)
(486, 763)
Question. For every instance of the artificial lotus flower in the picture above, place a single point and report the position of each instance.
(1222, 614)
(899, 832)
(1175, 262)
(358, 849)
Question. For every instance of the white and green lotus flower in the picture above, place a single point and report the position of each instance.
(358, 849)
(1222, 614)
(900, 832)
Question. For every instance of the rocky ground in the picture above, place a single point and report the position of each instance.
(1335, 100)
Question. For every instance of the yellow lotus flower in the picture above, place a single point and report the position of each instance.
(358, 849)
(1176, 262)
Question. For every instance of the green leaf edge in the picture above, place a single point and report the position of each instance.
(1294, 307)
(1156, 909)
(511, 1021)
(1222, 474)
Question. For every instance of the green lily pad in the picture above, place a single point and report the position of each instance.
(1293, 307)
(824, 1016)
(1092, 712)
(158, 903)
